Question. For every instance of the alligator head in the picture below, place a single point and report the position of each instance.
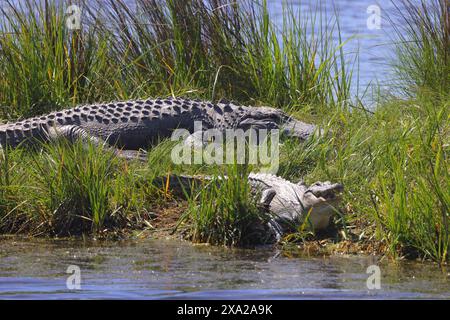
(292, 203)
(322, 199)
(261, 118)
(271, 118)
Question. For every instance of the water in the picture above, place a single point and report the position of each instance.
(150, 269)
(368, 46)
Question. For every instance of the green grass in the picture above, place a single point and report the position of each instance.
(423, 46)
(44, 65)
(75, 183)
(63, 191)
(395, 168)
(393, 161)
(77, 189)
(169, 48)
(223, 211)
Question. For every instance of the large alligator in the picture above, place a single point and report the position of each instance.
(288, 203)
(132, 125)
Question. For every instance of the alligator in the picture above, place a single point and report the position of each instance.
(129, 126)
(288, 203)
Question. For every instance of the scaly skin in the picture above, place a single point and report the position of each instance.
(288, 202)
(134, 125)
(292, 202)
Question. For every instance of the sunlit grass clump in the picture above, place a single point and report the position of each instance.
(62, 190)
(423, 46)
(73, 189)
(45, 65)
(225, 211)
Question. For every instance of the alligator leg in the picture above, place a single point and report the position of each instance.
(75, 133)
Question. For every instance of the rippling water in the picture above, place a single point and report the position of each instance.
(150, 269)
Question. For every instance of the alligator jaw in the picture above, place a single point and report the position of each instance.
(295, 128)
(326, 191)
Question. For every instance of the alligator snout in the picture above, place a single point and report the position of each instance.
(326, 190)
(295, 128)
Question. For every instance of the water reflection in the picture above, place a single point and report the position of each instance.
(174, 269)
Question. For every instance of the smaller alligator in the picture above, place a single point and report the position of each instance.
(289, 203)
(129, 126)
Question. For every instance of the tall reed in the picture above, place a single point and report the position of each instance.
(223, 211)
(44, 65)
(210, 49)
(422, 46)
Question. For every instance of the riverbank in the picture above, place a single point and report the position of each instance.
(393, 160)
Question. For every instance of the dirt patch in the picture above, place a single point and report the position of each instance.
(168, 215)
(330, 247)
(165, 221)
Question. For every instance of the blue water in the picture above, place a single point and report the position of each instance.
(369, 49)
(170, 269)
